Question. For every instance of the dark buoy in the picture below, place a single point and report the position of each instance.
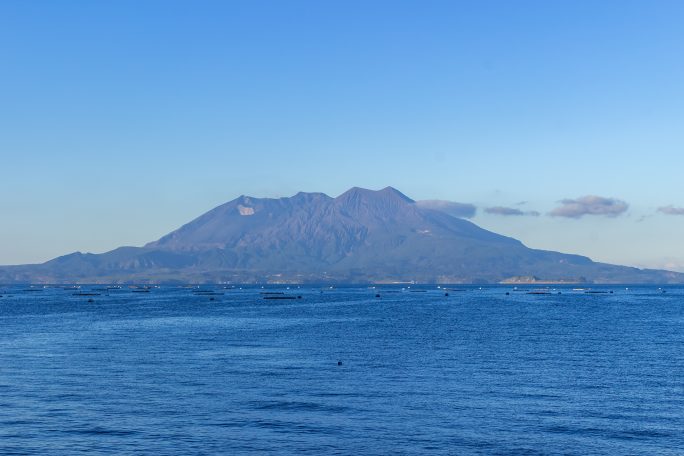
(446, 294)
(560, 292)
(339, 363)
(91, 300)
(507, 293)
(299, 297)
(211, 299)
(611, 291)
(377, 295)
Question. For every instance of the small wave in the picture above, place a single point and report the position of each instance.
(633, 434)
(101, 431)
(299, 406)
(642, 434)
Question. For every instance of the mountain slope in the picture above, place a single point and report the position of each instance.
(360, 236)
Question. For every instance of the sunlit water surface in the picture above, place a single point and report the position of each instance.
(476, 372)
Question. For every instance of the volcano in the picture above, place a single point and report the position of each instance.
(361, 236)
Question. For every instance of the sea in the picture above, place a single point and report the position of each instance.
(400, 370)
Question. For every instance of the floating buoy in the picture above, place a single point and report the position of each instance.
(377, 295)
(446, 294)
(339, 363)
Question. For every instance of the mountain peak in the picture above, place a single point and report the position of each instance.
(394, 193)
(310, 196)
(386, 194)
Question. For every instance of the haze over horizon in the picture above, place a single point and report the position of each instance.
(556, 124)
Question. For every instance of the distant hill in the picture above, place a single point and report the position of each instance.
(362, 236)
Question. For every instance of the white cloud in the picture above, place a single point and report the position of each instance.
(500, 210)
(671, 210)
(590, 205)
(461, 210)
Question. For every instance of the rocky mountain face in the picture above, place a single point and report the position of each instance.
(362, 236)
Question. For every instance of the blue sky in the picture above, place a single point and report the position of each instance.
(122, 120)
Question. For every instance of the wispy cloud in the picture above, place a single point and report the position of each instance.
(500, 210)
(461, 210)
(590, 205)
(671, 210)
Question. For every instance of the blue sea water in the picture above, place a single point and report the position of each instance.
(476, 372)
